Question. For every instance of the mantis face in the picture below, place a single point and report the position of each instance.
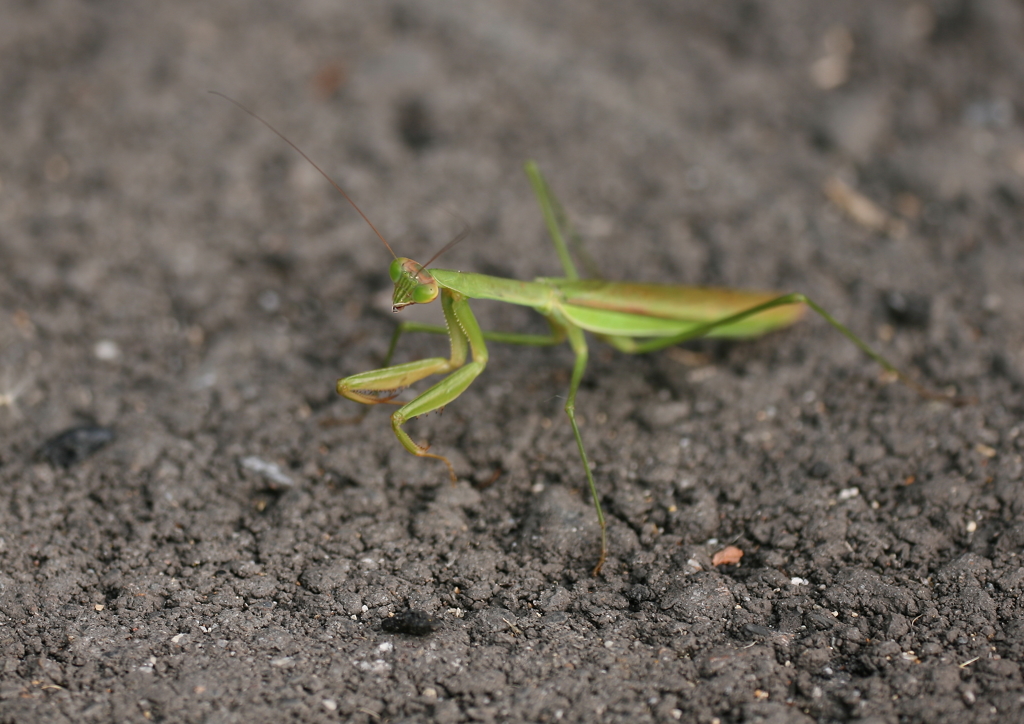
(413, 285)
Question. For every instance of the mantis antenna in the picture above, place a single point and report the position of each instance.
(462, 235)
(322, 172)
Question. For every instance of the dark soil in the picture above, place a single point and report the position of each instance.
(171, 271)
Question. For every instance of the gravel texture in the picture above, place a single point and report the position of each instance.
(172, 273)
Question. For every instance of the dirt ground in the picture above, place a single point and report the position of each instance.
(171, 271)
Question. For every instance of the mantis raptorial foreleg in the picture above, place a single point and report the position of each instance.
(466, 336)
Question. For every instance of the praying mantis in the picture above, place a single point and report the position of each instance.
(632, 317)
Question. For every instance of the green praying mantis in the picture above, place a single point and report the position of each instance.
(632, 317)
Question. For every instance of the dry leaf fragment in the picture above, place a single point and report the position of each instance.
(861, 209)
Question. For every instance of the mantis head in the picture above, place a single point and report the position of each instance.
(413, 284)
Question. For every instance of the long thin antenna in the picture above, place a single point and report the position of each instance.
(462, 235)
(322, 172)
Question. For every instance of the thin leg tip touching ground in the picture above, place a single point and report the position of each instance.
(604, 549)
(421, 451)
(442, 458)
(864, 347)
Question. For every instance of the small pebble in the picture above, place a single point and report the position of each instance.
(106, 350)
(271, 471)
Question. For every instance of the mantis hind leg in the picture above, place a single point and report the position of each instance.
(627, 344)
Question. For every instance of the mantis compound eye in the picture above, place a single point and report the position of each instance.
(424, 293)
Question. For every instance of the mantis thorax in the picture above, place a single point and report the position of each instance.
(413, 284)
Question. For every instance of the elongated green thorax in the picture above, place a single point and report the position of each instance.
(413, 284)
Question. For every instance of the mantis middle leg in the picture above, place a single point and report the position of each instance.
(578, 342)
(557, 336)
